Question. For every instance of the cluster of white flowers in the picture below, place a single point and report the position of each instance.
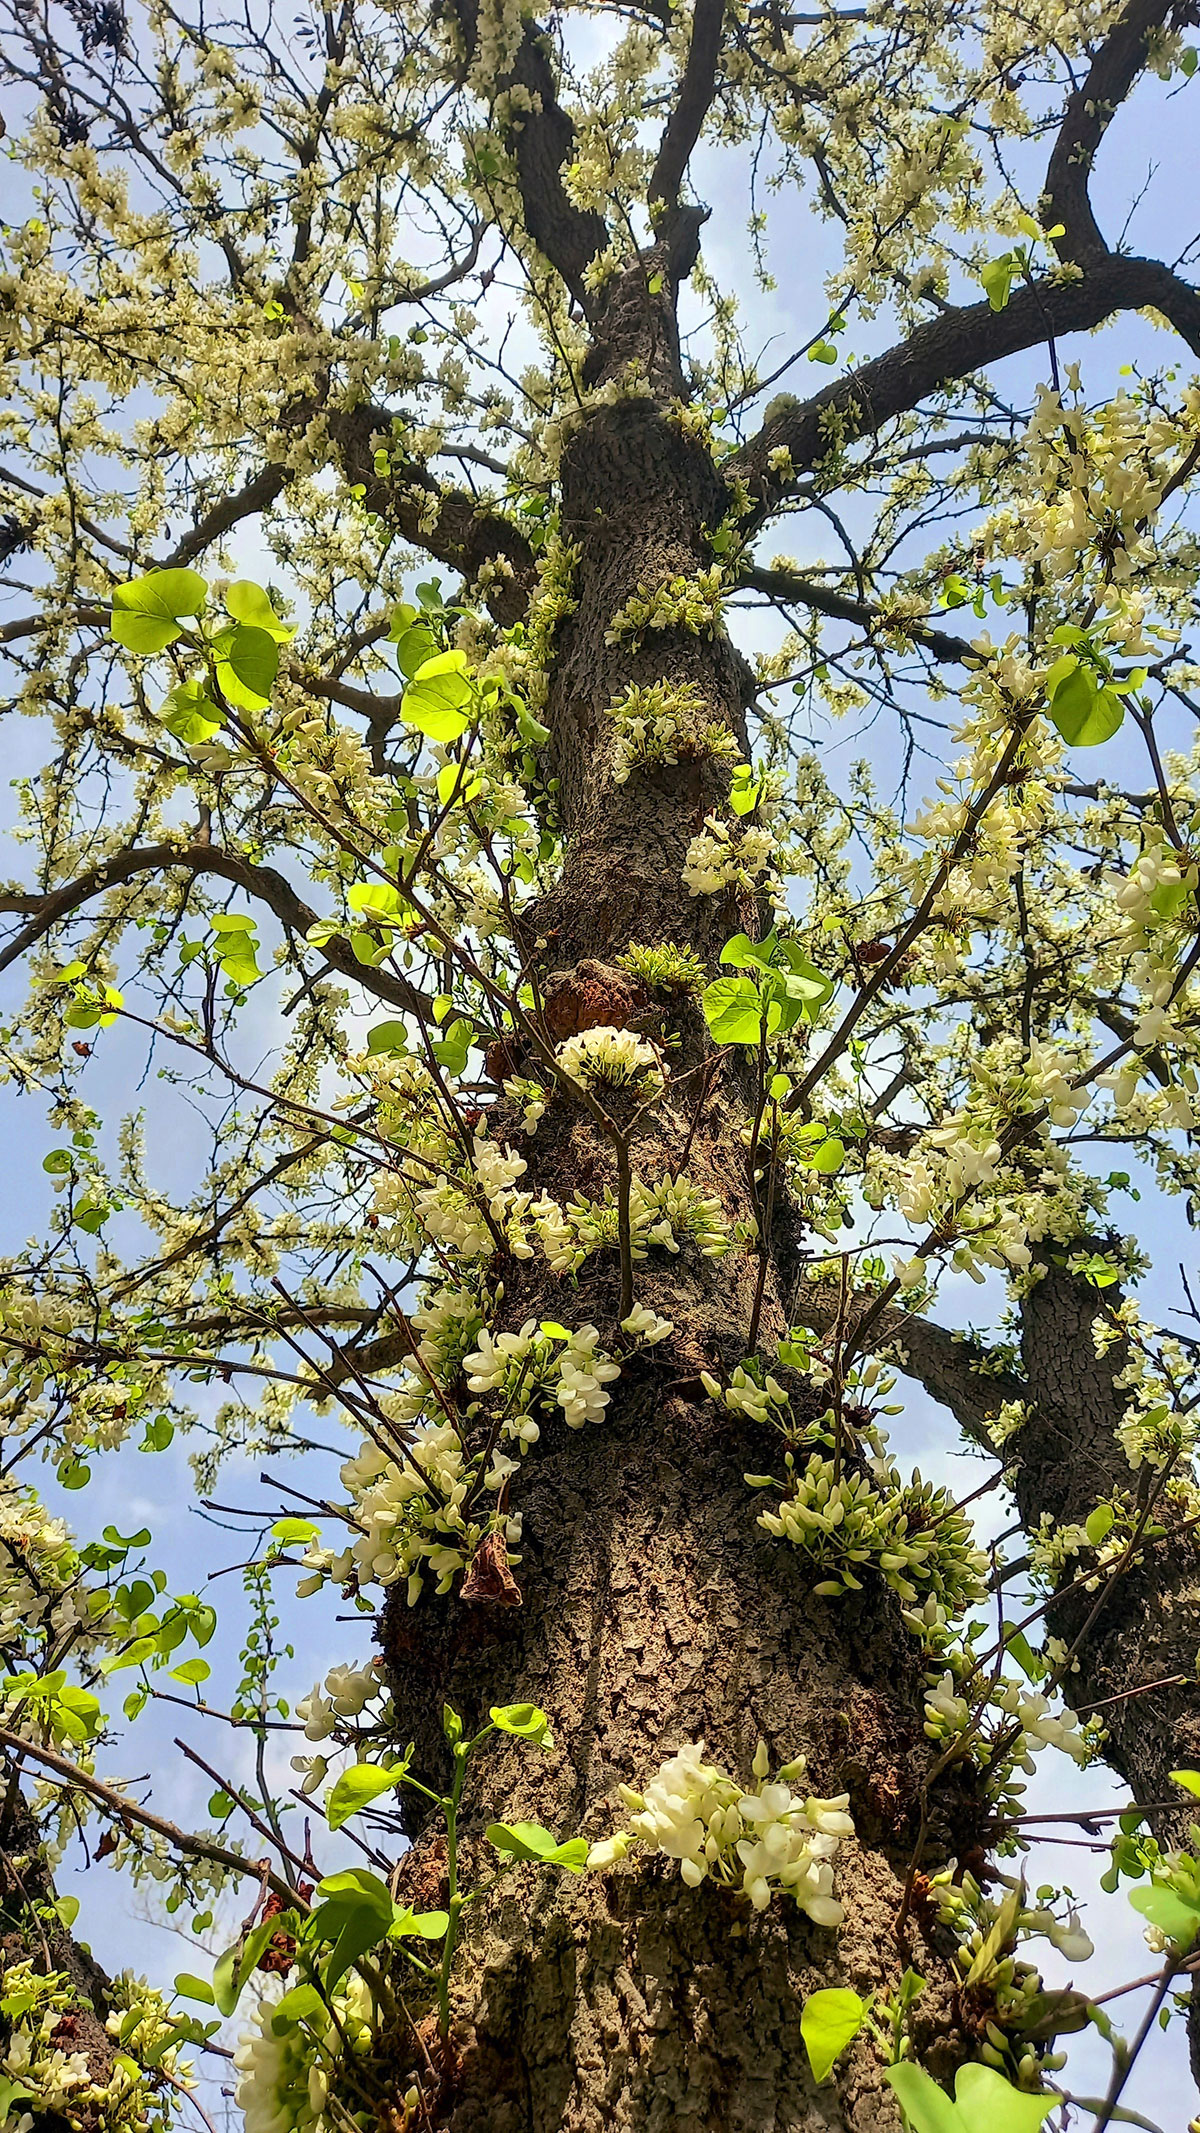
(412, 1514)
(662, 724)
(348, 1691)
(284, 2079)
(1050, 1084)
(615, 1058)
(911, 1533)
(727, 855)
(52, 2078)
(666, 1214)
(528, 1097)
(646, 1326)
(1102, 473)
(764, 1839)
(745, 1396)
(1020, 1711)
(533, 1363)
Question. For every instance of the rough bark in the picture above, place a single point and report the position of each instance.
(655, 1610)
(30, 1930)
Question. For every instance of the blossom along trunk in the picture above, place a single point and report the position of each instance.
(656, 1612)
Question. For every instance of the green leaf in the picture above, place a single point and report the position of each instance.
(190, 714)
(926, 2106)
(247, 663)
(59, 1163)
(745, 790)
(302, 2004)
(828, 2022)
(357, 1913)
(192, 1672)
(733, 1010)
(1170, 1912)
(295, 1532)
(745, 954)
(248, 603)
(387, 1037)
(984, 2102)
(458, 784)
(823, 352)
(1100, 1523)
(1189, 1779)
(1017, 1644)
(234, 1969)
(829, 1157)
(987, 2103)
(997, 277)
(525, 1720)
(149, 613)
(414, 648)
(68, 1909)
(452, 1050)
(194, 1988)
(436, 698)
(1084, 714)
(357, 1787)
(529, 1842)
(423, 1925)
(13, 2092)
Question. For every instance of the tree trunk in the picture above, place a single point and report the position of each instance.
(656, 1612)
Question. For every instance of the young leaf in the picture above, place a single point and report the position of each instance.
(1099, 1523)
(997, 276)
(302, 2004)
(194, 1988)
(1170, 1912)
(357, 1787)
(528, 1841)
(733, 1010)
(247, 663)
(248, 603)
(149, 613)
(1084, 714)
(424, 1925)
(1189, 1779)
(828, 2022)
(192, 1672)
(525, 1720)
(387, 1037)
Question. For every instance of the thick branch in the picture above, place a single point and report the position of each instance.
(466, 534)
(1112, 75)
(694, 102)
(959, 341)
(568, 236)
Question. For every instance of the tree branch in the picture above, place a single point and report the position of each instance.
(449, 524)
(793, 590)
(264, 883)
(693, 104)
(1086, 118)
(960, 340)
(568, 236)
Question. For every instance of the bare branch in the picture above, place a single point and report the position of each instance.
(1088, 113)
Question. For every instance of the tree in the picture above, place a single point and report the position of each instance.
(587, 1088)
